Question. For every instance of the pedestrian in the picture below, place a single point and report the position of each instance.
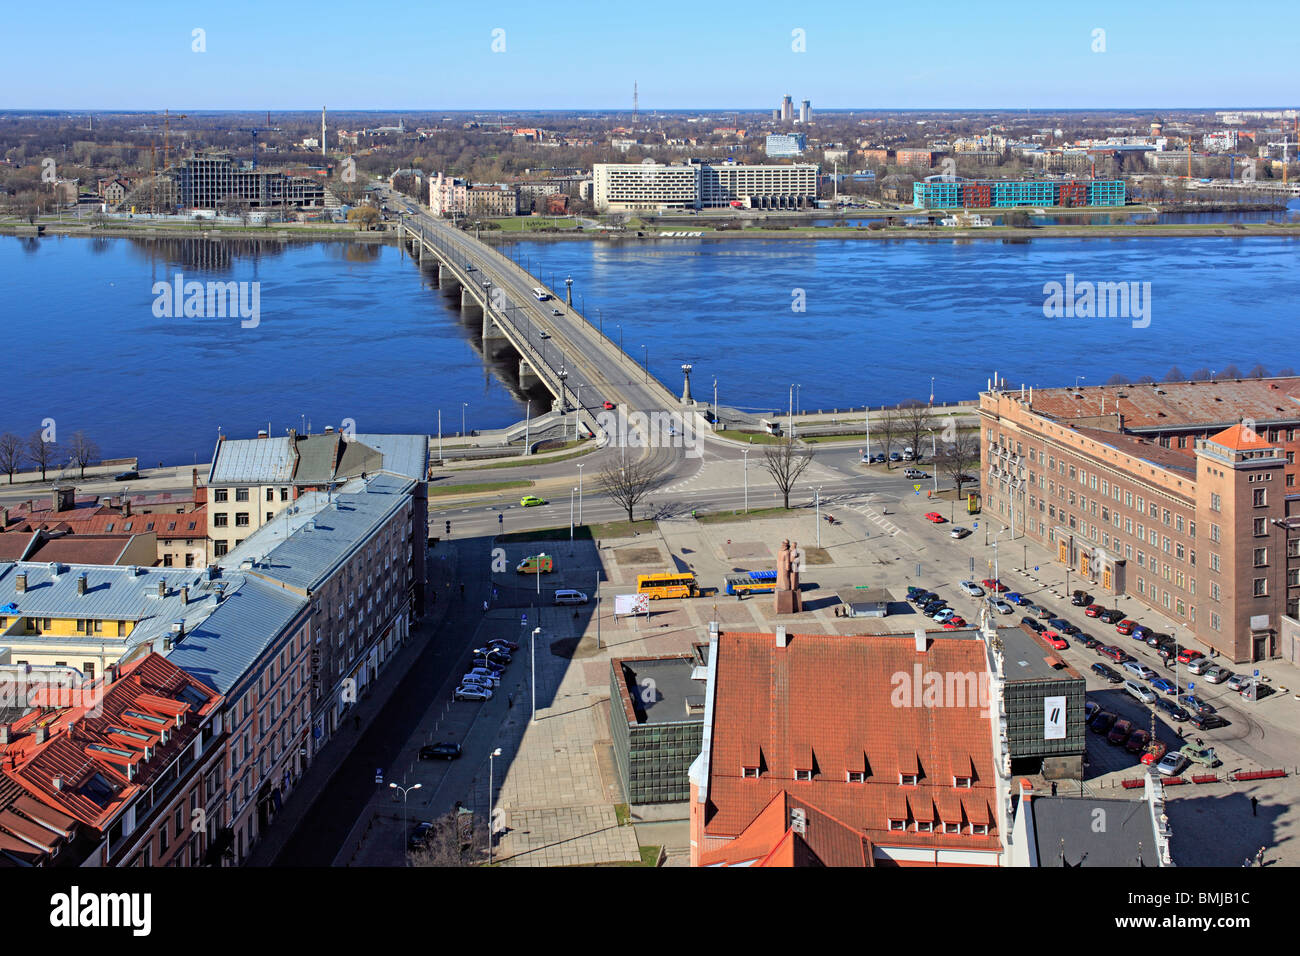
(1254, 806)
(1259, 857)
(1053, 788)
(1200, 742)
(485, 606)
(494, 594)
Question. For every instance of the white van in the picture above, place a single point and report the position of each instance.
(569, 596)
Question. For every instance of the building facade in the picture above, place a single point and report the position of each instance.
(207, 180)
(785, 144)
(936, 192)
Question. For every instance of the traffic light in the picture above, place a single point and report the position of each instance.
(500, 518)
(449, 527)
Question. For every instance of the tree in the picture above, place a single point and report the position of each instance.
(41, 452)
(364, 216)
(1231, 371)
(887, 428)
(231, 205)
(12, 452)
(785, 463)
(959, 459)
(627, 485)
(1175, 374)
(82, 451)
(1287, 372)
(1146, 380)
(913, 422)
(1200, 375)
(1117, 379)
(1257, 372)
(456, 839)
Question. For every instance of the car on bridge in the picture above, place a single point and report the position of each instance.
(543, 334)
(531, 501)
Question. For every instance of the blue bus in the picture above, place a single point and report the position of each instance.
(751, 582)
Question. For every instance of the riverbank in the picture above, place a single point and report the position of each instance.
(280, 232)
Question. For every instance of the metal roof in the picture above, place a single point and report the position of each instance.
(222, 649)
(304, 543)
(316, 457)
(252, 460)
(406, 455)
(1067, 825)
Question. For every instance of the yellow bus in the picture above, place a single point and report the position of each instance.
(670, 585)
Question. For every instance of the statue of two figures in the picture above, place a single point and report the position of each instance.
(789, 600)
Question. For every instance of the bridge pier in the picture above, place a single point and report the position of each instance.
(528, 377)
(469, 306)
(447, 279)
(494, 340)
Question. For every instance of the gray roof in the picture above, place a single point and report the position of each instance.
(252, 460)
(316, 456)
(220, 650)
(1026, 658)
(671, 688)
(303, 544)
(1074, 821)
(406, 455)
(112, 593)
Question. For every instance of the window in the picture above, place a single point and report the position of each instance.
(241, 494)
(979, 829)
(907, 779)
(1260, 497)
(952, 828)
(1261, 527)
(220, 548)
(749, 772)
(167, 560)
(241, 519)
(898, 824)
(1214, 562)
(220, 520)
(284, 494)
(1261, 557)
(269, 516)
(857, 776)
(1216, 502)
(270, 494)
(1214, 591)
(220, 494)
(1178, 523)
(962, 783)
(924, 826)
(1261, 587)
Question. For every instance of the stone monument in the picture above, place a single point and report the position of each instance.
(789, 600)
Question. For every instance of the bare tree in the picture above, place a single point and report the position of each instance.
(41, 452)
(82, 451)
(459, 838)
(1231, 371)
(1175, 374)
(12, 453)
(1258, 372)
(887, 428)
(1287, 372)
(1117, 379)
(913, 422)
(627, 485)
(959, 459)
(1146, 380)
(785, 463)
(1201, 375)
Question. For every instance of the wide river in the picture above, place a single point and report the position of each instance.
(355, 331)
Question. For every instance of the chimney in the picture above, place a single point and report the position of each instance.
(919, 634)
(81, 583)
(6, 734)
(162, 588)
(781, 639)
(261, 433)
(41, 734)
(185, 594)
(4, 518)
(126, 507)
(57, 782)
(112, 673)
(194, 483)
(221, 592)
(20, 583)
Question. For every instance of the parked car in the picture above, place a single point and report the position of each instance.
(1138, 669)
(1137, 741)
(502, 642)
(1106, 673)
(1195, 704)
(1198, 665)
(1238, 682)
(1114, 653)
(895, 456)
(1172, 709)
(607, 405)
(1032, 624)
(1042, 612)
(1055, 640)
(1158, 640)
(419, 835)
(480, 680)
(1119, 733)
(556, 312)
(1153, 752)
(440, 751)
(913, 591)
(1090, 709)
(933, 606)
(1207, 721)
(943, 614)
(954, 622)
(923, 598)
(1012, 596)
(1205, 756)
(971, 588)
(1171, 764)
(1081, 599)
(959, 532)
(1165, 685)
(1140, 691)
(1110, 616)
(1087, 640)
(1141, 633)
(472, 692)
(1126, 626)
(1102, 722)
(1186, 655)
(1064, 626)
(993, 585)
(1002, 607)
(1020, 599)
(1094, 610)
(1217, 675)
(126, 475)
(932, 516)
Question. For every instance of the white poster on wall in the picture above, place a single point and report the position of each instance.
(1053, 718)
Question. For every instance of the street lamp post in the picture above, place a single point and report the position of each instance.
(817, 503)
(405, 791)
(463, 406)
(715, 403)
(576, 412)
(492, 802)
(579, 494)
(528, 418)
(746, 453)
(934, 458)
(798, 399)
(533, 663)
(789, 414)
(572, 492)
(440, 434)
(646, 357)
(932, 390)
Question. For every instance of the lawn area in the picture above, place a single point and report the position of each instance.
(722, 517)
(757, 438)
(437, 490)
(530, 223)
(583, 532)
(531, 460)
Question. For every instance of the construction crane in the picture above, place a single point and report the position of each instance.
(167, 132)
(1286, 144)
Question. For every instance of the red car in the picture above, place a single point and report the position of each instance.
(1114, 653)
(935, 517)
(1093, 610)
(1056, 640)
(607, 405)
(1187, 655)
(1154, 751)
(954, 622)
(1126, 626)
(1119, 733)
(1137, 741)
(992, 585)
(502, 642)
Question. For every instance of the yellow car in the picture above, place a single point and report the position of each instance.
(528, 501)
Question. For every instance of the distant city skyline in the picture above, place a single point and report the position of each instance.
(512, 56)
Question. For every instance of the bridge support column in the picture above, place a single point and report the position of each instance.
(469, 307)
(528, 378)
(447, 280)
(494, 340)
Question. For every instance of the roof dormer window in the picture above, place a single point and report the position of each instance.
(962, 783)
(856, 776)
(898, 824)
(803, 774)
(907, 779)
(924, 826)
(749, 773)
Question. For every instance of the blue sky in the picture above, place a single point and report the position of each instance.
(583, 54)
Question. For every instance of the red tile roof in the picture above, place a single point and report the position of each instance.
(1241, 438)
(837, 701)
(1176, 405)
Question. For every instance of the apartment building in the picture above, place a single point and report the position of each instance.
(769, 186)
(785, 144)
(493, 199)
(110, 772)
(448, 196)
(1177, 496)
(354, 555)
(649, 187)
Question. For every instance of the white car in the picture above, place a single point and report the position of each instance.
(1001, 606)
(943, 614)
(472, 692)
(1140, 691)
(480, 675)
(1217, 675)
(1200, 665)
(958, 532)
(971, 588)
(1171, 764)
(1139, 669)
(474, 680)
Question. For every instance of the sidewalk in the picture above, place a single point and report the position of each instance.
(327, 761)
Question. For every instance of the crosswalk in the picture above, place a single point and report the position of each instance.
(872, 512)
